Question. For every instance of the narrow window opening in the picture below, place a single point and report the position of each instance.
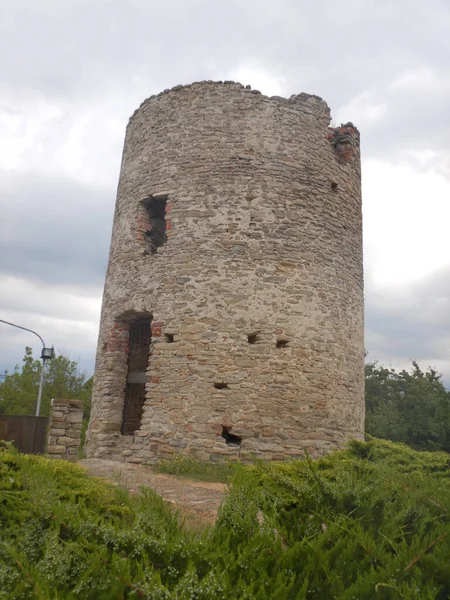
(170, 338)
(282, 343)
(252, 338)
(220, 385)
(156, 223)
(138, 355)
(334, 187)
(230, 439)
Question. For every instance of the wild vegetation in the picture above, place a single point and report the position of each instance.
(409, 407)
(63, 379)
(369, 522)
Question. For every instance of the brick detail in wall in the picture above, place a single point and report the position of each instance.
(118, 338)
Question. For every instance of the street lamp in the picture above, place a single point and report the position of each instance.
(46, 354)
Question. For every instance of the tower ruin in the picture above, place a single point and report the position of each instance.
(232, 318)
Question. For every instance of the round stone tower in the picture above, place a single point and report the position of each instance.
(232, 319)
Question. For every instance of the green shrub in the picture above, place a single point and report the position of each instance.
(370, 522)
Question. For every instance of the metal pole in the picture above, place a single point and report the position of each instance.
(41, 383)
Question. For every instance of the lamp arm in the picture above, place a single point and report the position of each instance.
(25, 329)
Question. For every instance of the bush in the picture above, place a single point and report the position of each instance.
(369, 522)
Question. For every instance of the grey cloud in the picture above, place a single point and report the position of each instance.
(12, 347)
(415, 120)
(81, 49)
(54, 230)
(411, 323)
(65, 317)
(78, 41)
(66, 303)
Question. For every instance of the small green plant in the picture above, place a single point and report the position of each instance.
(184, 465)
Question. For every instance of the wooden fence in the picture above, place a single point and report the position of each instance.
(27, 433)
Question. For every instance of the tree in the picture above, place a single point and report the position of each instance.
(413, 408)
(19, 390)
(85, 395)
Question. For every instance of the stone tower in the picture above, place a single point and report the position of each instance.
(232, 319)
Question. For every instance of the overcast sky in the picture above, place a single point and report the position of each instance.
(73, 71)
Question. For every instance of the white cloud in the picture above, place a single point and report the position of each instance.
(259, 78)
(419, 80)
(411, 321)
(363, 110)
(65, 318)
(82, 142)
(24, 130)
(406, 216)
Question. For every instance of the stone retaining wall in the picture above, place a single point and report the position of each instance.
(64, 434)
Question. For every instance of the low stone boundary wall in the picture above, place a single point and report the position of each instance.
(64, 433)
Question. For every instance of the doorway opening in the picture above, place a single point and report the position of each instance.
(138, 355)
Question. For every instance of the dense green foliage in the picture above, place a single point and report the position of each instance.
(370, 522)
(19, 390)
(413, 408)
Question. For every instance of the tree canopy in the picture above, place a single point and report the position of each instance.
(410, 407)
(63, 379)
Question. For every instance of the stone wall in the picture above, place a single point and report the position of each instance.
(251, 283)
(64, 433)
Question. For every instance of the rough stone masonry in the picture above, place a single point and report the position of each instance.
(232, 318)
(64, 433)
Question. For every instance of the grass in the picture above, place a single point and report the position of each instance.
(370, 522)
(183, 465)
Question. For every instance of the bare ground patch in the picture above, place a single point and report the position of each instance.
(197, 501)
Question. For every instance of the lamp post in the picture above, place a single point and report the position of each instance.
(46, 354)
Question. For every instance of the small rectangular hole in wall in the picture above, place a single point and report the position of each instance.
(170, 338)
(230, 439)
(252, 338)
(334, 187)
(282, 343)
(220, 385)
(156, 232)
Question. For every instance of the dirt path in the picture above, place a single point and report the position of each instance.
(198, 501)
